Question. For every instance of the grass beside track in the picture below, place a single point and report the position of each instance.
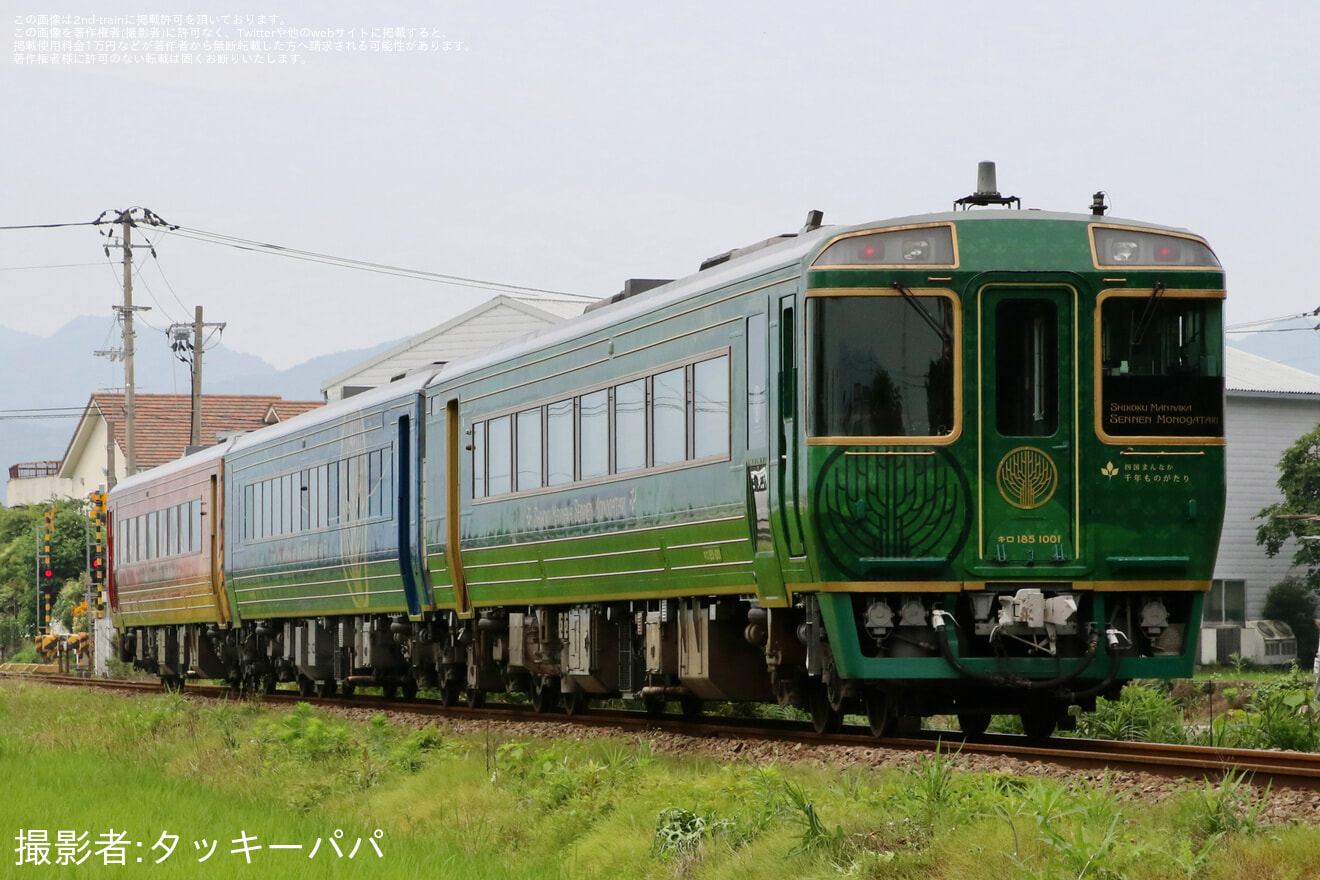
(491, 806)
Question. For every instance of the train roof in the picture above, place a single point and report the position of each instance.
(743, 264)
(332, 412)
(197, 460)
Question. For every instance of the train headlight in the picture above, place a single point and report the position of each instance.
(879, 619)
(1123, 251)
(916, 250)
(1154, 618)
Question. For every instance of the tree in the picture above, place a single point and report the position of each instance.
(1293, 602)
(19, 528)
(1298, 515)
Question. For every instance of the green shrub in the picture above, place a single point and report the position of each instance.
(1140, 714)
(1293, 602)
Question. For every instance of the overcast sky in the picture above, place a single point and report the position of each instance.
(571, 145)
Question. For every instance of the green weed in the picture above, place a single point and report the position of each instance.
(1229, 806)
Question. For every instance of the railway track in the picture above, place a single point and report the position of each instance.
(1294, 770)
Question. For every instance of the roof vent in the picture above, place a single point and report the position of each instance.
(631, 287)
(987, 190)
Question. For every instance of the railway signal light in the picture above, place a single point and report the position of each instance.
(96, 539)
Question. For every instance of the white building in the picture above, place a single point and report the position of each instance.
(1269, 406)
(476, 330)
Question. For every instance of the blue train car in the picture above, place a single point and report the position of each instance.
(322, 544)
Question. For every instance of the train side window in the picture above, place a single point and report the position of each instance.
(316, 500)
(630, 426)
(529, 450)
(351, 481)
(376, 483)
(499, 464)
(306, 508)
(559, 443)
(594, 434)
(1026, 368)
(332, 494)
(711, 408)
(288, 504)
(669, 417)
(195, 513)
(758, 402)
(478, 459)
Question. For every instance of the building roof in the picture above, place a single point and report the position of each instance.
(1249, 374)
(164, 421)
(550, 310)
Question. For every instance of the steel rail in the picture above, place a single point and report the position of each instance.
(1278, 769)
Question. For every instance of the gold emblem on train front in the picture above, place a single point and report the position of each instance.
(1027, 478)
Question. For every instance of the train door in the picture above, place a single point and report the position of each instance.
(785, 489)
(406, 518)
(453, 496)
(769, 577)
(1028, 405)
(215, 563)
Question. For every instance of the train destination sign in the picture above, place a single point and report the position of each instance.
(1161, 406)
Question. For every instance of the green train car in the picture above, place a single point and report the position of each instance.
(967, 463)
(962, 463)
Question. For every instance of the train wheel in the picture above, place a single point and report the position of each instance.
(824, 717)
(692, 707)
(1039, 725)
(326, 688)
(974, 723)
(389, 691)
(654, 706)
(172, 683)
(409, 689)
(545, 693)
(306, 686)
(476, 698)
(348, 689)
(576, 702)
(879, 714)
(449, 691)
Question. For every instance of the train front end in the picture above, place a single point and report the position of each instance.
(1012, 473)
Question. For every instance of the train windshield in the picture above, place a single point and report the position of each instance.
(1162, 365)
(882, 365)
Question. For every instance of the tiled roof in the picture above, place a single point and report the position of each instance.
(1251, 374)
(164, 421)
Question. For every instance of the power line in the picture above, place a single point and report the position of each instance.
(59, 266)
(41, 417)
(364, 265)
(38, 409)
(50, 225)
(153, 220)
(1243, 327)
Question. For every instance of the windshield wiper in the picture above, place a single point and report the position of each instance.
(1146, 317)
(926, 316)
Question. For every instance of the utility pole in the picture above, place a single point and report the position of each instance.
(126, 221)
(195, 437)
(130, 412)
(178, 334)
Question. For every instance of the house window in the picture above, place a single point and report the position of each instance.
(1226, 602)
